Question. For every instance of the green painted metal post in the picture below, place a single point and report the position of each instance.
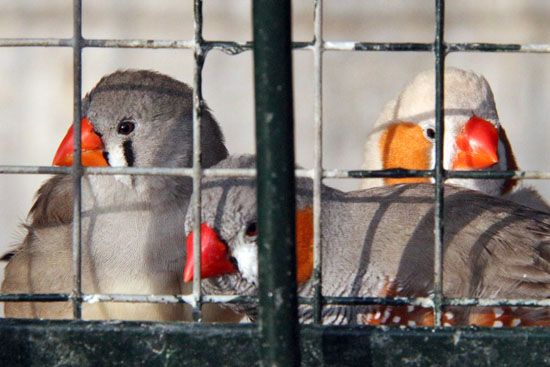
(276, 202)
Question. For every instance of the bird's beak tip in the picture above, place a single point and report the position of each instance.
(477, 145)
(91, 147)
(214, 256)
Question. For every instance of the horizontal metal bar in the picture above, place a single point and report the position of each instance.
(498, 47)
(397, 172)
(111, 43)
(532, 175)
(47, 170)
(142, 171)
(363, 301)
(36, 42)
(376, 46)
(497, 302)
(236, 299)
(35, 297)
(234, 48)
(136, 298)
(229, 47)
(131, 298)
(135, 343)
(428, 47)
(229, 299)
(251, 172)
(139, 43)
(427, 301)
(340, 173)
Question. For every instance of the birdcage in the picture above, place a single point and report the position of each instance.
(277, 339)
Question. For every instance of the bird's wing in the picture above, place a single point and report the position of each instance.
(52, 207)
(528, 196)
(53, 204)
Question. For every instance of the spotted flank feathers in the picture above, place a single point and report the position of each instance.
(411, 315)
(496, 317)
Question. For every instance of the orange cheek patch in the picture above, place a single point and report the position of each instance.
(304, 244)
(403, 145)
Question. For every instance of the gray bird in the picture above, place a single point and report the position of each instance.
(131, 225)
(379, 242)
(403, 136)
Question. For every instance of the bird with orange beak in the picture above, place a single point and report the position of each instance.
(131, 225)
(404, 136)
(379, 243)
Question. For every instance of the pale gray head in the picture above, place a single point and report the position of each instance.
(145, 119)
(229, 209)
(474, 140)
(229, 212)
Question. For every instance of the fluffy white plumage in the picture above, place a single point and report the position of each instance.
(246, 254)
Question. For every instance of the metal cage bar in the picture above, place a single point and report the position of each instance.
(234, 299)
(77, 164)
(318, 157)
(234, 48)
(318, 46)
(197, 115)
(249, 172)
(278, 333)
(278, 316)
(439, 54)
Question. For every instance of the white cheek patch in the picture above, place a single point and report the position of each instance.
(452, 129)
(116, 156)
(246, 254)
(449, 149)
(117, 159)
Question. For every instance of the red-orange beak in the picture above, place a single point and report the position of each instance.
(92, 147)
(477, 145)
(214, 257)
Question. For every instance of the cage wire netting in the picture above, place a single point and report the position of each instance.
(322, 53)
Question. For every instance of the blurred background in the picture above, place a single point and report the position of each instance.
(36, 89)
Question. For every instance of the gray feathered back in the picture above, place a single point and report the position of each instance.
(379, 242)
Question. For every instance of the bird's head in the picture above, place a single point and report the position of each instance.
(141, 118)
(229, 234)
(473, 138)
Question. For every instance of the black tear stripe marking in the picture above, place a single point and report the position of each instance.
(128, 153)
(106, 157)
(8, 256)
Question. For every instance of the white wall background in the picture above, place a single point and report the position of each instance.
(36, 83)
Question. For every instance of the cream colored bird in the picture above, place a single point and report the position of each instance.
(131, 225)
(403, 136)
(379, 242)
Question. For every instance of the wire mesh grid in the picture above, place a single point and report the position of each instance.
(318, 46)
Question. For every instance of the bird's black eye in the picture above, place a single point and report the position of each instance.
(125, 127)
(430, 133)
(251, 229)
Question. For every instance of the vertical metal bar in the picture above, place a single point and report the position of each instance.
(276, 192)
(439, 50)
(77, 165)
(318, 154)
(197, 114)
